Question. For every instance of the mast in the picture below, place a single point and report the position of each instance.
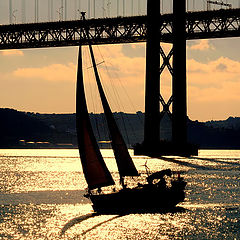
(94, 168)
(124, 161)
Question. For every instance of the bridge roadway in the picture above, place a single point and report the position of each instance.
(199, 25)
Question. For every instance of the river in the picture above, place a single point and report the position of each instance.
(41, 197)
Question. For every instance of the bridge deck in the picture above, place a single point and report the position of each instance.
(199, 25)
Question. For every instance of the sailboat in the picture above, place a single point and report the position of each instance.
(150, 197)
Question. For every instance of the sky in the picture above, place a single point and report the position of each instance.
(44, 80)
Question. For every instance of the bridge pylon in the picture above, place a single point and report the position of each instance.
(178, 145)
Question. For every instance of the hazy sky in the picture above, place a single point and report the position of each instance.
(43, 80)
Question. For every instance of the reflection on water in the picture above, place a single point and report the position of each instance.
(41, 196)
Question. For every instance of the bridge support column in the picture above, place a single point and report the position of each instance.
(180, 143)
(152, 85)
(152, 145)
(179, 108)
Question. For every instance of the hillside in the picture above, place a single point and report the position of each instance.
(230, 123)
(21, 129)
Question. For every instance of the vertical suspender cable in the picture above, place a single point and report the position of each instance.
(75, 10)
(80, 6)
(65, 10)
(36, 10)
(61, 11)
(89, 10)
(138, 7)
(132, 8)
(23, 12)
(51, 11)
(117, 7)
(103, 7)
(10, 11)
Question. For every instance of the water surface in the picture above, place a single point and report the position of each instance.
(41, 196)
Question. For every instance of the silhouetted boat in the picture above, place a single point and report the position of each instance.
(150, 197)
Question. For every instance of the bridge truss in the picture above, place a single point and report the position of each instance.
(199, 25)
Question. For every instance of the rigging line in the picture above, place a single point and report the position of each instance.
(134, 110)
(89, 77)
(91, 94)
(119, 101)
(116, 95)
(126, 93)
(117, 98)
(95, 117)
(105, 130)
(109, 75)
(96, 65)
(96, 105)
(102, 116)
(125, 128)
(108, 93)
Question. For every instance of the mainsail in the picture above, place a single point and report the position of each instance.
(94, 168)
(124, 161)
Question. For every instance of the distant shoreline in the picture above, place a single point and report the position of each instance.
(23, 130)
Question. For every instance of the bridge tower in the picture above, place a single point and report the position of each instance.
(178, 145)
(152, 84)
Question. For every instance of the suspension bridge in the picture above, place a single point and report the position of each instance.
(199, 25)
(147, 21)
(15, 11)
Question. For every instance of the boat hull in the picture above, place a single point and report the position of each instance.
(147, 198)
